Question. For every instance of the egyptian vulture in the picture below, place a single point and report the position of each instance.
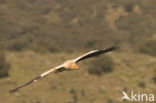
(68, 65)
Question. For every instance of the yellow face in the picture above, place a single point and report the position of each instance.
(74, 66)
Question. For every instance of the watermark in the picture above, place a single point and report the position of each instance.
(138, 96)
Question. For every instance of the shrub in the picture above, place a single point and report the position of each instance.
(4, 67)
(18, 45)
(74, 96)
(83, 93)
(110, 101)
(142, 85)
(149, 47)
(129, 7)
(102, 65)
(91, 43)
(154, 79)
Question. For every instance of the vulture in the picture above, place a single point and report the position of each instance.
(69, 65)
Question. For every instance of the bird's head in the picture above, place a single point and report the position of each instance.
(74, 66)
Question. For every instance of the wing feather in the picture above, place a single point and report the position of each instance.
(95, 53)
(35, 79)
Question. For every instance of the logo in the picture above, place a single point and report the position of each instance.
(140, 97)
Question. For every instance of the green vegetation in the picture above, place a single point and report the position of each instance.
(149, 47)
(4, 67)
(36, 35)
(44, 26)
(103, 65)
(142, 85)
(154, 80)
(76, 86)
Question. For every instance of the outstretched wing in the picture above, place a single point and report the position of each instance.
(95, 53)
(35, 79)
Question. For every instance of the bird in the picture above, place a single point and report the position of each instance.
(68, 65)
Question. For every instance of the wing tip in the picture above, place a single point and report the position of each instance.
(13, 90)
(116, 45)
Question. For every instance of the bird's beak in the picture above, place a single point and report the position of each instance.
(75, 67)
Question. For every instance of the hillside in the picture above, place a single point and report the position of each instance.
(131, 72)
(36, 35)
(27, 24)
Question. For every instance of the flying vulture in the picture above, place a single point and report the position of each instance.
(68, 65)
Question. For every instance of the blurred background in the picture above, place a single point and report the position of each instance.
(36, 35)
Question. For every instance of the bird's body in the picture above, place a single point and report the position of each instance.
(69, 64)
